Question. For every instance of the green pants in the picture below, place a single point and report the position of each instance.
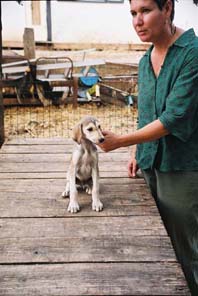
(176, 195)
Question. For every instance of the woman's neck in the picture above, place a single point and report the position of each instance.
(167, 39)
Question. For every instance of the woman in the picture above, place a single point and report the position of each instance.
(167, 135)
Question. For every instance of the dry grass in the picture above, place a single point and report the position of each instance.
(55, 121)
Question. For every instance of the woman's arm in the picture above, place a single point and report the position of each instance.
(150, 132)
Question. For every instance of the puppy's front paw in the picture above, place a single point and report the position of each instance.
(97, 205)
(65, 194)
(73, 207)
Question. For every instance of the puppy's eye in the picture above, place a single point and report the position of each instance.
(99, 127)
(90, 129)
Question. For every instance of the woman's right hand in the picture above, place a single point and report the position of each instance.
(132, 167)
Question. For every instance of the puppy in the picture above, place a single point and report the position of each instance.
(83, 170)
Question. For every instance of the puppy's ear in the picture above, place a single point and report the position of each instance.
(77, 133)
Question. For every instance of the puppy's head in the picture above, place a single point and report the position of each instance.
(88, 128)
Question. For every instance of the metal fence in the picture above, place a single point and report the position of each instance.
(116, 109)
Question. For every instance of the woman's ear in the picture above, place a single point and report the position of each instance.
(168, 7)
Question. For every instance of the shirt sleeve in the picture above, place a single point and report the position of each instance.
(180, 116)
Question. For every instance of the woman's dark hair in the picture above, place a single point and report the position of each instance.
(161, 3)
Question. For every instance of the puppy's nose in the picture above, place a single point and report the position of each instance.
(101, 140)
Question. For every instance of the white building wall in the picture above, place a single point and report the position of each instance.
(91, 22)
(13, 20)
(186, 15)
(78, 22)
(40, 31)
(15, 17)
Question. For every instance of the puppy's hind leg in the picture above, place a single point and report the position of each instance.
(88, 189)
(88, 186)
(66, 192)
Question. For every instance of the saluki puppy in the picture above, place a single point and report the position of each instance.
(83, 171)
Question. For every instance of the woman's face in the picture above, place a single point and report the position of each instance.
(148, 20)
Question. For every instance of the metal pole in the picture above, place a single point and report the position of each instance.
(49, 21)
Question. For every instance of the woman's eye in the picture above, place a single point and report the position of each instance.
(133, 13)
(145, 10)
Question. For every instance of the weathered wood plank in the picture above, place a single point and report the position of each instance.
(39, 175)
(83, 63)
(92, 279)
(29, 41)
(60, 157)
(51, 186)
(48, 204)
(81, 227)
(60, 175)
(38, 141)
(61, 166)
(32, 209)
(121, 168)
(41, 149)
(135, 183)
(16, 63)
(20, 69)
(95, 249)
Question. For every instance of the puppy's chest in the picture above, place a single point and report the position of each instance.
(85, 165)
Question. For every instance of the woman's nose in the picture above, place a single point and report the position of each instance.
(138, 20)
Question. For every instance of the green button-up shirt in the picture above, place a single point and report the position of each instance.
(172, 98)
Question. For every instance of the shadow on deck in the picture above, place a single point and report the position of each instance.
(44, 250)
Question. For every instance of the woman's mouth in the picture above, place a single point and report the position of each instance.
(141, 32)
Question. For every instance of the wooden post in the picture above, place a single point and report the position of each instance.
(1, 96)
(28, 43)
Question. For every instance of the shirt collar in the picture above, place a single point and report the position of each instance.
(185, 38)
(182, 41)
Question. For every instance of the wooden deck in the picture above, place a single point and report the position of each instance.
(44, 250)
